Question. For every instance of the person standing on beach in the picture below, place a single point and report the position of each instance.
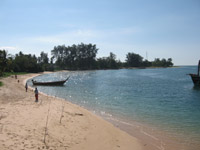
(26, 86)
(36, 95)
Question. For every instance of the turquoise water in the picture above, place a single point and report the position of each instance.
(163, 98)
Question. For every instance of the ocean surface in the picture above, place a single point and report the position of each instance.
(162, 99)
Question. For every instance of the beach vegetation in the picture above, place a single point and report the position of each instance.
(3, 61)
(75, 57)
(26, 63)
(1, 83)
(109, 62)
(7, 74)
(134, 60)
(162, 63)
(43, 61)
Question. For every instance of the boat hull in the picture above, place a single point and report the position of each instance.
(54, 83)
(195, 79)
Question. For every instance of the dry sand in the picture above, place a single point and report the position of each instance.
(69, 127)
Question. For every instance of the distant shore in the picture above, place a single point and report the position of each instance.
(23, 123)
(152, 67)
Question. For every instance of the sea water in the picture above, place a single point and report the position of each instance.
(164, 99)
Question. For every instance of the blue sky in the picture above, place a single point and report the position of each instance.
(162, 29)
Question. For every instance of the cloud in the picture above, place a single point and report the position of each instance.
(106, 39)
(85, 35)
(80, 35)
(46, 39)
(8, 48)
(11, 49)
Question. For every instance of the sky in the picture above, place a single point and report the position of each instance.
(151, 28)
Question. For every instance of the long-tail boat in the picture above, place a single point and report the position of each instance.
(50, 83)
(196, 77)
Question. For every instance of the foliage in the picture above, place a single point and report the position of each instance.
(26, 63)
(162, 63)
(75, 57)
(43, 61)
(146, 63)
(7, 74)
(134, 60)
(3, 61)
(1, 83)
(108, 62)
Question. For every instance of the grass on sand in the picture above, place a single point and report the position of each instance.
(7, 74)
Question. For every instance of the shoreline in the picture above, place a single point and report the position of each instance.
(22, 123)
(146, 133)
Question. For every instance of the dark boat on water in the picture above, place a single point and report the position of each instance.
(196, 77)
(50, 83)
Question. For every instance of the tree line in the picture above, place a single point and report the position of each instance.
(75, 57)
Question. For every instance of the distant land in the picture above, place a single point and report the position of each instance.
(75, 57)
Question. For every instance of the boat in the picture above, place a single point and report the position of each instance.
(196, 77)
(50, 83)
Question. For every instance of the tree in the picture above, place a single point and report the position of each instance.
(157, 62)
(103, 63)
(43, 60)
(146, 63)
(10, 63)
(112, 61)
(58, 55)
(169, 62)
(162, 63)
(3, 61)
(109, 62)
(81, 56)
(26, 63)
(133, 60)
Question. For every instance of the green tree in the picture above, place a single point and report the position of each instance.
(134, 60)
(169, 62)
(103, 63)
(3, 61)
(26, 63)
(162, 63)
(10, 64)
(146, 63)
(43, 60)
(112, 61)
(109, 62)
(157, 62)
(81, 56)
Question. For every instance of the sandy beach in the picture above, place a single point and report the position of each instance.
(23, 123)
